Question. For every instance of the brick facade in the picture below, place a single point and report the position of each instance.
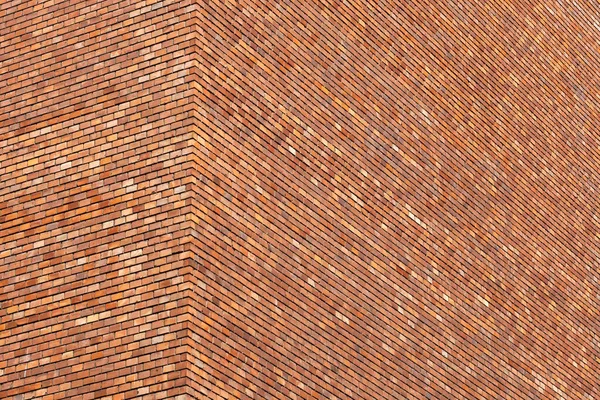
(299, 200)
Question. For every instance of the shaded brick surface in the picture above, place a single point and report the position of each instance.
(293, 200)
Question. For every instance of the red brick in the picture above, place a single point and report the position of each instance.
(298, 200)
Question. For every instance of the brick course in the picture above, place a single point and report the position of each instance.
(294, 200)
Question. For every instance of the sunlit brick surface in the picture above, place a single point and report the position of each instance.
(94, 140)
(299, 199)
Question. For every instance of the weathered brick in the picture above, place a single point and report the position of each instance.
(258, 199)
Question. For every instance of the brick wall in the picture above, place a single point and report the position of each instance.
(299, 200)
(94, 146)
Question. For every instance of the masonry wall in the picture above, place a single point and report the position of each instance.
(299, 200)
(94, 131)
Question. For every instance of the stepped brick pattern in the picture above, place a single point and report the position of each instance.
(328, 199)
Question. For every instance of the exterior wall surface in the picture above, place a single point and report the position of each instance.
(299, 199)
(94, 137)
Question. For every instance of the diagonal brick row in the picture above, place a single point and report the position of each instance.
(259, 199)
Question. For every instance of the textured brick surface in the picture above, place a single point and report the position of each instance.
(299, 200)
(94, 132)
